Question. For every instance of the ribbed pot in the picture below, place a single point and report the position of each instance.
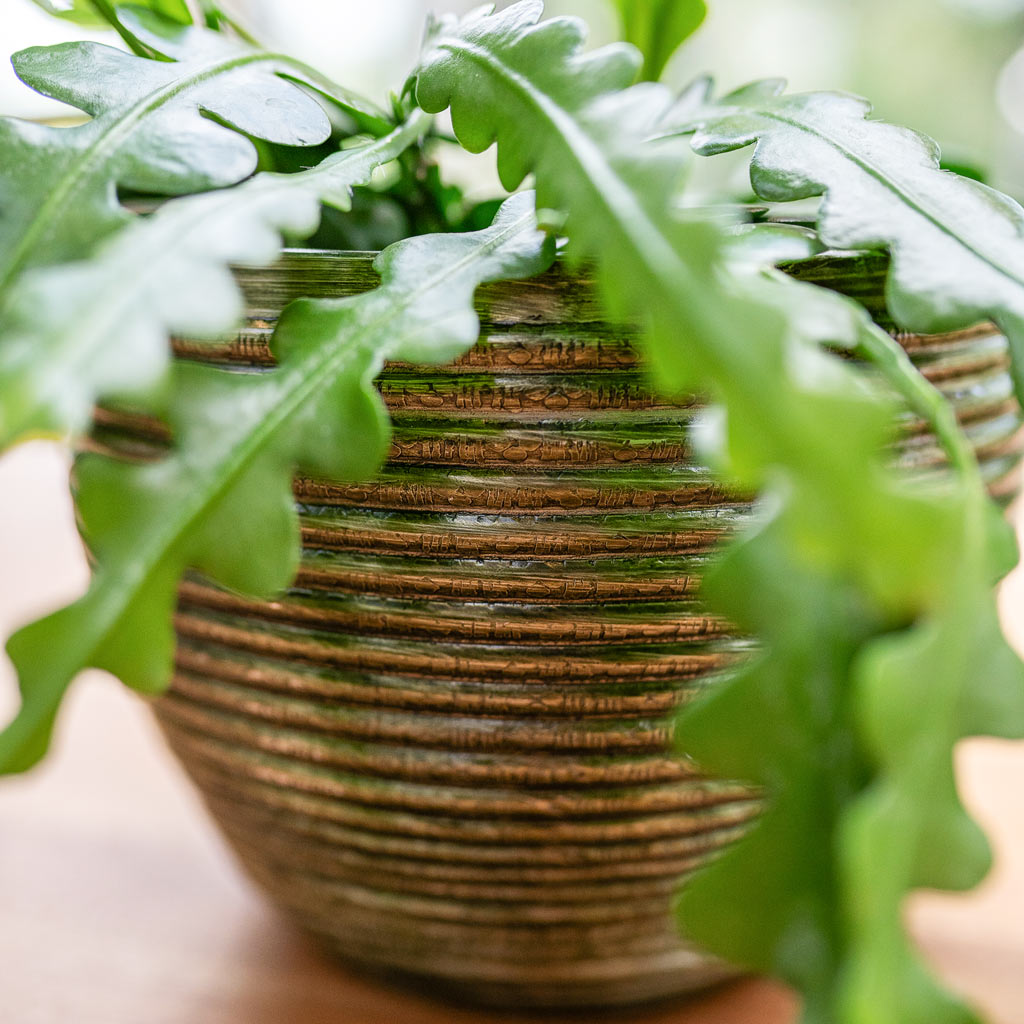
(446, 750)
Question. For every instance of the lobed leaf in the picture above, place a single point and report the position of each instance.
(151, 30)
(222, 501)
(850, 561)
(957, 245)
(99, 328)
(157, 126)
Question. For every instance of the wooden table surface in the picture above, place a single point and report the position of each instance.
(120, 905)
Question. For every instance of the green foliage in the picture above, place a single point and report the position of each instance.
(657, 28)
(164, 127)
(105, 14)
(870, 593)
(222, 501)
(148, 133)
(98, 328)
(148, 32)
(80, 12)
(95, 13)
(957, 245)
(872, 597)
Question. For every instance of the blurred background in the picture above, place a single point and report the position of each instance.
(951, 68)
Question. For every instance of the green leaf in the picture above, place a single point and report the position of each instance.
(148, 132)
(165, 127)
(906, 728)
(658, 28)
(222, 501)
(817, 313)
(957, 245)
(99, 328)
(176, 10)
(172, 40)
(108, 14)
(848, 556)
(96, 13)
(79, 12)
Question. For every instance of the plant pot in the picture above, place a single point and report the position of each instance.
(446, 751)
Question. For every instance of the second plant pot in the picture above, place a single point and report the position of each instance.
(447, 751)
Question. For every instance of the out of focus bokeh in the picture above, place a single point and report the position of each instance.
(951, 68)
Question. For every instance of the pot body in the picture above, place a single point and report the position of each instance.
(447, 751)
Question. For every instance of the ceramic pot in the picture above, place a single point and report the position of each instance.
(447, 750)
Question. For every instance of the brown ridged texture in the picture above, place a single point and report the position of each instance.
(446, 751)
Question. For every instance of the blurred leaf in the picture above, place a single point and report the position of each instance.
(99, 327)
(965, 167)
(96, 13)
(658, 28)
(222, 501)
(174, 41)
(80, 12)
(374, 222)
(109, 14)
(164, 127)
(957, 245)
(149, 131)
(849, 560)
